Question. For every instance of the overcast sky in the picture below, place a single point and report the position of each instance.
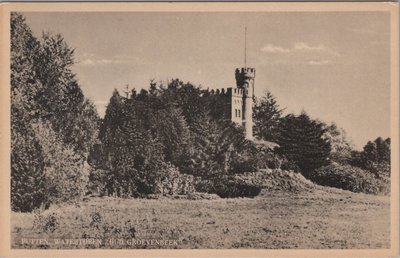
(335, 66)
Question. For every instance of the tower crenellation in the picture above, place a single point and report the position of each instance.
(239, 100)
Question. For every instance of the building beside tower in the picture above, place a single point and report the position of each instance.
(237, 102)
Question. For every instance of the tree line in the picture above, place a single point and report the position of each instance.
(322, 152)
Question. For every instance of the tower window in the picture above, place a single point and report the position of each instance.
(236, 112)
(239, 113)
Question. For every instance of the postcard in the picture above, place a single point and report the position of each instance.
(199, 130)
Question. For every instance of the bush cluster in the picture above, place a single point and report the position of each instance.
(277, 179)
(176, 183)
(351, 178)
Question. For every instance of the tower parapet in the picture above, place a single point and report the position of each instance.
(243, 74)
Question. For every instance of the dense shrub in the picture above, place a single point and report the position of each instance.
(351, 178)
(252, 163)
(176, 183)
(172, 183)
(99, 182)
(277, 180)
(228, 187)
(289, 165)
(257, 155)
(66, 173)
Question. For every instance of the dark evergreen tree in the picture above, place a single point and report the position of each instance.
(189, 98)
(27, 166)
(301, 140)
(266, 115)
(383, 149)
(173, 133)
(130, 149)
(375, 157)
(111, 119)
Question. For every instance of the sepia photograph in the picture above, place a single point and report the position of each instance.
(245, 129)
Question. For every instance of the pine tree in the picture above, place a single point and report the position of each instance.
(266, 115)
(130, 151)
(111, 119)
(28, 182)
(375, 157)
(27, 164)
(173, 133)
(301, 140)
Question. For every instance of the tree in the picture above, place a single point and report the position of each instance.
(27, 165)
(111, 119)
(173, 133)
(301, 140)
(27, 168)
(53, 126)
(130, 150)
(215, 146)
(266, 115)
(341, 147)
(375, 157)
(383, 149)
(63, 167)
(190, 99)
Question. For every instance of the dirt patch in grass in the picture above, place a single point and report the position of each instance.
(324, 218)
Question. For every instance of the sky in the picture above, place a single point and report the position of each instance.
(333, 65)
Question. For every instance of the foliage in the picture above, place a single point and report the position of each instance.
(46, 101)
(301, 141)
(351, 178)
(266, 116)
(135, 140)
(255, 156)
(28, 187)
(63, 170)
(289, 165)
(146, 134)
(278, 180)
(341, 147)
(176, 183)
(374, 158)
(27, 176)
(215, 148)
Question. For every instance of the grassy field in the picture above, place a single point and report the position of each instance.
(324, 218)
